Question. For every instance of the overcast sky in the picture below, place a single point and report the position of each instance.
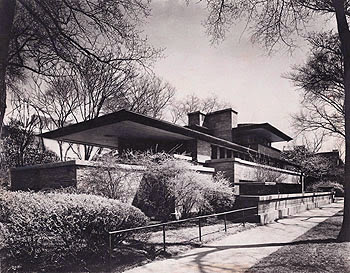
(236, 70)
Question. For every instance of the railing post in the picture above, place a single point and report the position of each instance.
(110, 250)
(225, 223)
(243, 219)
(164, 238)
(200, 231)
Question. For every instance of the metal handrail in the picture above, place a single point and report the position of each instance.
(180, 221)
(163, 225)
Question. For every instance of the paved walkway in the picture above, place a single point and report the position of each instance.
(238, 252)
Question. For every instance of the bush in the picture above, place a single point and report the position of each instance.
(219, 195)
(109, 179)
(51, 228)
(172, 184)
(337, 187)
(155, 196)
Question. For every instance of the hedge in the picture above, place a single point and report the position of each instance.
(56, 227)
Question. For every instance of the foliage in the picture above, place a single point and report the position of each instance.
(134, 157)
(326, 184)
(314, 165)
(21, 147)
(171, 184)
(109, 179)
(54, 228)
(155, 196)
(219, 194)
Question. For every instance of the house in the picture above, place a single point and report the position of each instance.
(335, 166)
(333, 157)
(243, 152)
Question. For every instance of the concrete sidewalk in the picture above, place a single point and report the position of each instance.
(238, 252)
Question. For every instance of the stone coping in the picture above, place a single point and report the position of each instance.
(253, 183)
(249, 163)
(84, 163)
(285, 196)
(200, 168)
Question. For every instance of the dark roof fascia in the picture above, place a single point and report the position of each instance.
(124, 115)
(202, 129)
(266, 126)
(327, 154)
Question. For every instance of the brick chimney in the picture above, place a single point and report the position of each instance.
(196, 118)
(220, 123)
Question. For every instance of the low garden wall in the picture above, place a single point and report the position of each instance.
(238, 170)
(75, 172)
(272, 207)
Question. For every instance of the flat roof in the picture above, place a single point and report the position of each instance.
(263, 129)
(104, 131)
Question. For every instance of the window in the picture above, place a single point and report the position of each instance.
(214, 152)
(222, 152)
(229, 154)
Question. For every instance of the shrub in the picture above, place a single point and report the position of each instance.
(339, 188)
(107, 178)
(155, 195)
(172, 184)
(219, 195)
(51, 228)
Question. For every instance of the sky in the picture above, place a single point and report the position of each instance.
(236, 70)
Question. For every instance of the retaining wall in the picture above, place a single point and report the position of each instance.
(238, 170)
(272, 207)
(73, 174)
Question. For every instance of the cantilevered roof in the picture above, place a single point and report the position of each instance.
(265, 130)
(105, 131)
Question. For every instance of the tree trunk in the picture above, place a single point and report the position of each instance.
(7, 11)
(344, 35)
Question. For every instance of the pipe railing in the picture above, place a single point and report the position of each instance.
(198, 218)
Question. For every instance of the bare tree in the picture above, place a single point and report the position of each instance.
(21, 147)
(274, 22)
(320, 81)
(180, 108)
(146, 94)
(93, 84)
(53, 100)
(37, 35)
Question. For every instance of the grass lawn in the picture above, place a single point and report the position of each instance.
(314, 251)
(178, 238)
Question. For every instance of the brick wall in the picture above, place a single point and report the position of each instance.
(74, 173)
(45, 176)
(220, 123)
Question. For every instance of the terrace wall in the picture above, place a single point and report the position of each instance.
(238, 170)
(272, 207)
(73, 173)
